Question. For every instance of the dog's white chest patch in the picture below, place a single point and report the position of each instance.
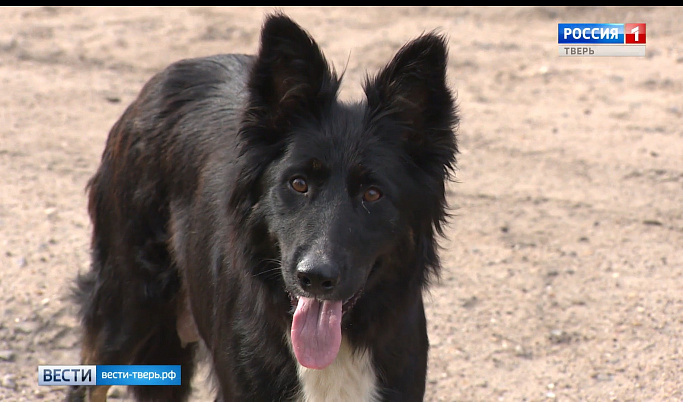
(351, 377)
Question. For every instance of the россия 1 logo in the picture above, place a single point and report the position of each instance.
(592, 39)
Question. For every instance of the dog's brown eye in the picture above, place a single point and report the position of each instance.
(299, 184)
(372, 194)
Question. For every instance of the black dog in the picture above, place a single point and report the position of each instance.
(239, 203)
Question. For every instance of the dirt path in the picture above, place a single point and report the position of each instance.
(563, 272)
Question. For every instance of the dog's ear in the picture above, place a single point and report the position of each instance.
(411, 91)
(290, 74)
(290, 79)
(409, 102)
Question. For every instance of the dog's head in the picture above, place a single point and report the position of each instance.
(344, 188)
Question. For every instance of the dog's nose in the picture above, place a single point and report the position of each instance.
(319, 278)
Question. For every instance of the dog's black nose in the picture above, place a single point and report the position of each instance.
(319, 278)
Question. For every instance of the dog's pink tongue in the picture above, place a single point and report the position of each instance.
(316, 332)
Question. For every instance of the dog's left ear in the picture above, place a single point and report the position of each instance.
(412, 92)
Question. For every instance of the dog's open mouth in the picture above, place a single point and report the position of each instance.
(316, 326)
(316, 329)
(346, 305)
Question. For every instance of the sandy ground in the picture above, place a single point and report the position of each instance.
(563, 270)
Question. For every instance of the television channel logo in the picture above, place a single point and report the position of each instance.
(593, 39)
(109, 375)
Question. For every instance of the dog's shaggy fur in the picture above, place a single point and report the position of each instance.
(239, 203)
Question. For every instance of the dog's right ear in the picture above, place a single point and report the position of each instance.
(290, 75)
(289, 80)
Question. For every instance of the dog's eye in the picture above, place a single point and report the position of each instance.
(299, 184)
(372, 194)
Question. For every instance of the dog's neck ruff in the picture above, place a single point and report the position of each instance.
(351, 377)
